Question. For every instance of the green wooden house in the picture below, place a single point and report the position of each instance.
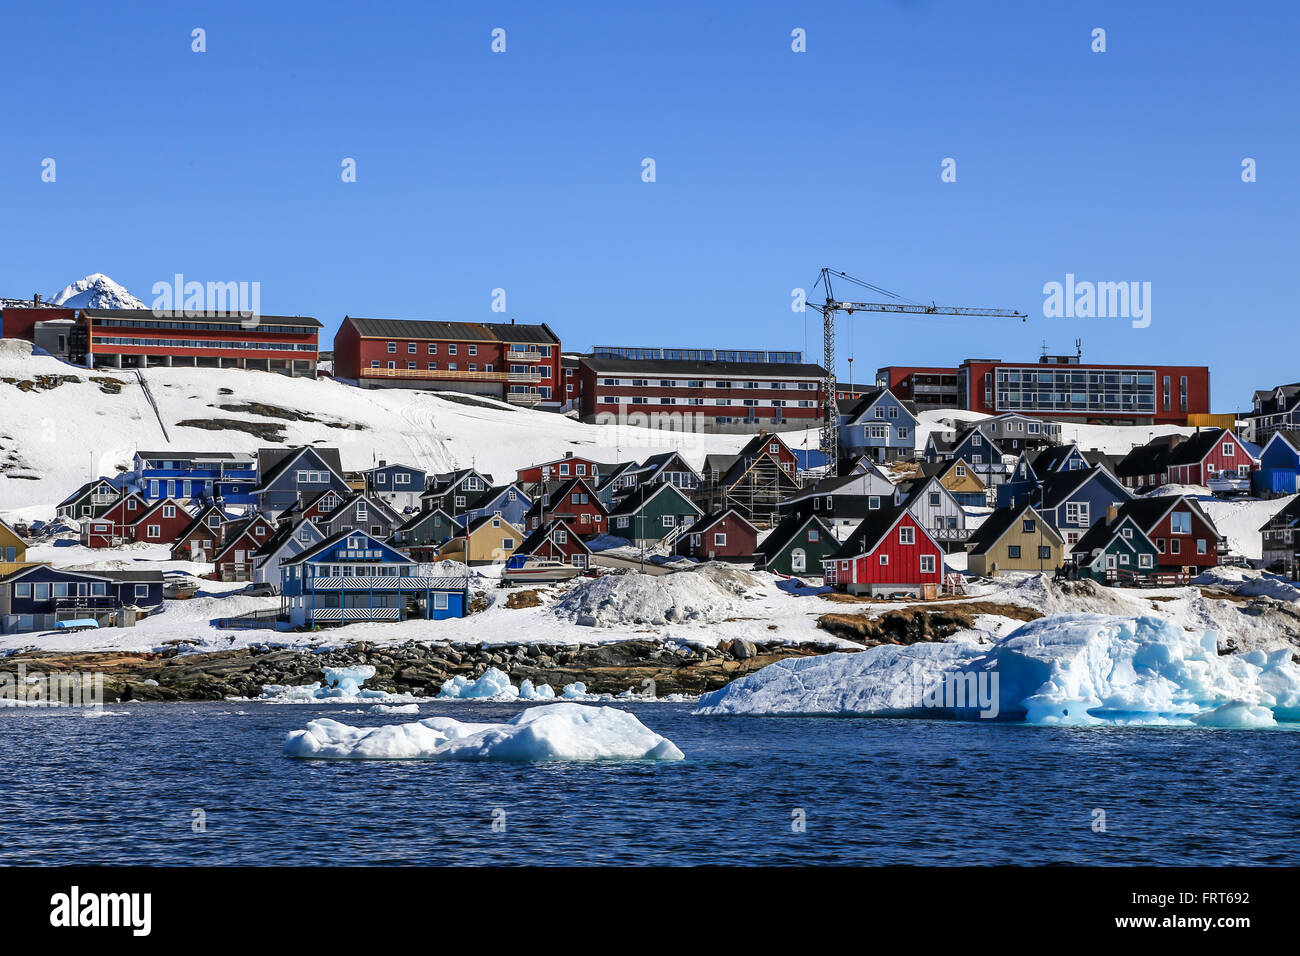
(796, 546)
(651, 513)
(426, 530)
(1115, 550)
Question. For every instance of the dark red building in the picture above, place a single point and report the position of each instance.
(1060, 387)
(142, 338)
(720, 536)
(512, 362)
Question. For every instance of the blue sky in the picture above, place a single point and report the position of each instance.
(522, 170)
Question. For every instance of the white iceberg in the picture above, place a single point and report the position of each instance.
(1067, 669)
(493, 684)
(559, 731)
(342, 685)
(395, 709)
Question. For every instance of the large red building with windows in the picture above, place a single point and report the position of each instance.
(1059, 387)
(513, 362)
(144, 338)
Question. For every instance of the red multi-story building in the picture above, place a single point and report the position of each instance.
(709, 395)
(513, 362)
(141, 338)
(1059, 387)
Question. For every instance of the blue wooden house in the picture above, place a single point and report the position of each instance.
(351, 577)
(194, 476)
(289, 476)
(1279, 465)
(877, 425)
(37, 597)
(1033, 467)
(507, 501)
(399, 485)
(1072, 501)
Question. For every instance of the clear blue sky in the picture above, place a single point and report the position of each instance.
(523, 170)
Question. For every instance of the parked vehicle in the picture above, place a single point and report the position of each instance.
(526, 569)
(180, 587)
(78, 624)
(260, 589)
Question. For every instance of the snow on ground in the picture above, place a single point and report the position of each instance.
(562, 731)
(1067, 669)
(54, 439)
(708, 594)
(1112, 439)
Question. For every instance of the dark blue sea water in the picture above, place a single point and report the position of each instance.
(124, 790)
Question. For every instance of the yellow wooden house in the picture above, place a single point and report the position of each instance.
(13, 550)
(490, 539)
(1014, 539)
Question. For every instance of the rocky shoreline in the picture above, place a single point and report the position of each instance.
(414, 668)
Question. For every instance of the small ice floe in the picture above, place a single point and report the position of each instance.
(493, 684)
(395, 709)
(562, 731)
(342, 685)
(98, 712)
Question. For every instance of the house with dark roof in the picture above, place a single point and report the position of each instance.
(398, 486)
(1146, 466)
(508, 501)
(796, 546)
(723, 535)
(1014, 539)
(574, 501)
(890, 553)
(1186, 539)
(1071, 501)
(1033, 467)
(1279, 465)
(201, 538)
(512, 362)
(1271, 409)
(113, 525)
(89, 501)
(1209, 455)
(879, 426)
(37, 597)
(1115, 550)
(756, 484)
(937, 509)
(240, 540)
(556, 541)
(424, 532)
(842, 501)
(652, 513)
(1281, 540)
(288, 541)
(289, 476)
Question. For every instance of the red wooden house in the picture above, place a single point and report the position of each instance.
(771, 444)
(889, 553)
(201, 538)
(234, 560)
(556, 541)
(161, 523)
(574, 502)
(113, 527)
(1210, 454)
(561, 469)
(1186, 540)
(720, 536)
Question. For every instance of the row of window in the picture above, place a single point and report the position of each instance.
(246, 325)
(413, 348)
(720, 402)
(205, 344)
(701, 383)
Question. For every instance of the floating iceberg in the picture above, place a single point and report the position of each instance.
(342, 685)
(494, 684)
(1067, 669)
(395, 709)
(561, 731)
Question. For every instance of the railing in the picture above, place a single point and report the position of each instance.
(523, 398)
(516, 356)
(950, 534)
(251, 621)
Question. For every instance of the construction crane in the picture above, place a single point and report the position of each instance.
(830, 437)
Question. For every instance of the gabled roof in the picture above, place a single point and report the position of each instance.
(85, 490)
(482, 520)
(785, 532)
(859, 406)
(555, 492)
(740, 468)
(658, 463)
(157, 505)
(1102, 532)
(544, 532)
(635, 500)
(1194, 449)
(1149, 512)
(286, 533)
(492, 494)
(705, 522)
(201, 521)
(1059, 486)
(420, 516)
(1288, 436)
(940, 469)
(335, 538)
(392, 466)
(274, 462)
(758, 444)
(1149, 459)
(1050, 458)
(874, 528)
(1287, 517)
(996, 526)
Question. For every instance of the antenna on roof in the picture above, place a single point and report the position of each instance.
(1078, 348)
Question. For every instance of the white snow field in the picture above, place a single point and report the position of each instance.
(560, 731)
(1065, 669)
(61, 434)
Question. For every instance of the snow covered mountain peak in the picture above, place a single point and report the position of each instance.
(96, 291)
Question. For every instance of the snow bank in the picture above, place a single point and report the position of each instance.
(707, 594)
(1249, 583)
(1067, 669)
(557, 732)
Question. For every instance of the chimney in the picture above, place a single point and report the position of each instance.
(382, 463)
(36, 300)
(1112, 512)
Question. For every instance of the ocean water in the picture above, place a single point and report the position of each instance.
(129, 789)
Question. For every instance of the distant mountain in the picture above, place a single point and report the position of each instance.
(96, 291)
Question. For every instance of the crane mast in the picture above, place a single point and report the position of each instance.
(830, 432)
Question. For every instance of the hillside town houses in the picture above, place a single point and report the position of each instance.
(915, 504)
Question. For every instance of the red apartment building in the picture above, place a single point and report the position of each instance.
(143, 338)
(1059, 387)
(515, 363)
(731, 394)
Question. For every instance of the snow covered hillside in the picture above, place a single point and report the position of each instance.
(1111, 439)
(61, 425)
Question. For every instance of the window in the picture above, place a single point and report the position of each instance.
(1201, 546)
(1144, 561)
(1229, 450)
(873, 502)
(813, 536)
(473, 350)
(669, 521)
(1045, 552)
(1174, 545)
(719, 539)
(440, 602)
(410, 348)
(1180, 522)
(153, 531)
(907, 535)
(142, 590)
(23, 590)
(451, 349)
(561, 536)
(1013, 551)
(927, 564)
(934, 499)
(433, 348)
(960, 471)
(392, 347)
(884, 559)
(1029, 526)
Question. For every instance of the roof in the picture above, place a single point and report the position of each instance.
(784, 533)
(334, 539)
(543, 532)
(778, 370)
(1194, 449)
(1001, 521)
(1149, 459)
(272, 462)
(1148, 512)
(705, 522)
(636, 499)
(867, 536)
(1058, 486)
(415, 520)
(283, 536)
(462, 331)
(223, 317)
(482, 520)
(1101, 533)
(1050, 458)
(1288, 435)
(85, 490)
(215, 455)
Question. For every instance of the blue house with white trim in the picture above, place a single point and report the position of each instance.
(1279, 465)
(352, 576)
(878, 425)
(400, 486)
(194, 476)
(37, 597)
